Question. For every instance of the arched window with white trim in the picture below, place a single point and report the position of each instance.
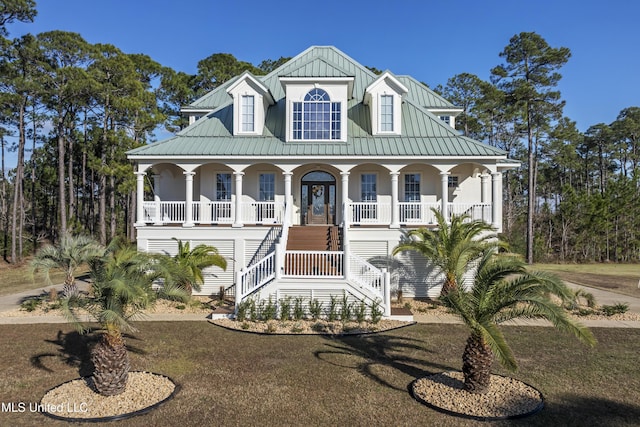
(316, 118)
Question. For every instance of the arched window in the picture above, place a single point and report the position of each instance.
(316, 118)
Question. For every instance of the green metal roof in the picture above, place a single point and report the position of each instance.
(423, 134)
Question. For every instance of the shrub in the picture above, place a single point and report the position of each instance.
(243, 309)
(360, 312)
(269, 310)
(345, 309)
(332, 316)
(376, 312)
(315, 309)
(31, 304)
(285, 308)
(618, 308)
(298, 308)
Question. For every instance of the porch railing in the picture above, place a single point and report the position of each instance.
(477, 211)
(220, 212)
(316, 264)
(417, 212)
(369, 213)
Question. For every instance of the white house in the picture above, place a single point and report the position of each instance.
(309, 176)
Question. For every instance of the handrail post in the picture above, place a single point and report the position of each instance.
(278, 260)
(239, 275)
(386, 286)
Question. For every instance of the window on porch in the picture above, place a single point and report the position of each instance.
(411, 210)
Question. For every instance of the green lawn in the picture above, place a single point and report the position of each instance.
(235, 378)
(620, 278)
(18, 278)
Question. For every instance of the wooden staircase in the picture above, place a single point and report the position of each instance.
(314, 238)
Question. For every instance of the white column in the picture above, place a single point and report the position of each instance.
(345, 198)
(238, 217)
(140, 198)
(288, 196)
(444, 208)
(496, 199)
(188, 200)
(156, 198)
(395, 208)
(484, 187)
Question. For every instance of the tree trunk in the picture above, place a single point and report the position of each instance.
(18, 199)
(62, 205)
(111, 362)
(476, 365)
(531, 190)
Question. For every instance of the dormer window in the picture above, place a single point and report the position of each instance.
(316, 118)
(386, 113)
(384, 98)
(248, 113)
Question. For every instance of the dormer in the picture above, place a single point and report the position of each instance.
(317, 108)
(447, 115)
(251, 99)
(384, 98)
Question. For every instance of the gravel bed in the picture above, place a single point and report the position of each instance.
(310, 327)
(78, 398)
(506, 398)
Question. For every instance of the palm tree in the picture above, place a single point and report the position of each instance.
(122, 288)
(191, 262)
(68, 255)
(504, 290)
(451, 247)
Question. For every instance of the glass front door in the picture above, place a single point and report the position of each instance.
(318, 198)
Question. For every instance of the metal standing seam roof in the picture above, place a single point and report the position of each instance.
(423, 134)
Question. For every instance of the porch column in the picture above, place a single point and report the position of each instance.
(238, 216)
(288, 196)
(496, 199)
(345, 198)
(156, 198)
(484, 188)
(395, 208)
(444, 208)
(140, 198)
(188, 200)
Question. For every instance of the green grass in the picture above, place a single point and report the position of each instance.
(235, 378)
(620, 278)
(18, 278)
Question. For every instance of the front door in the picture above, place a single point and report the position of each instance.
(318, 198)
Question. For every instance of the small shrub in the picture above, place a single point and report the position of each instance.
(360, 312)
(618, 308)
(315, 309)
(255, 310)
(269, 310)
(285, 308)
(585, 312)
(243, 310)
(345, 309)
(332, 316)
(31, 304)
(298, 308)
(245, 325)
(297, 328)
(272, 326)
(376, 312)
(181, 306)
(407, 305)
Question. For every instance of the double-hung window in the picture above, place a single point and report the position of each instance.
(411, 210)
(386, 113)
(368, 195)
(316, 118)
(222, 207)
(248, 113)
(265, 209)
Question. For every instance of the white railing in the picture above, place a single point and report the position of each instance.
(369, 213)
(477, 211)
(262, 212)
(317, 264)
(365, 274)
(163, 212)
(213, 212)
(417, 213)
(255, 276)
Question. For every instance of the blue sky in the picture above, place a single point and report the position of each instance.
(432, 41)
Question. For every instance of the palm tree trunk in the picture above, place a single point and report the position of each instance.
(476, 365)
(111, 363)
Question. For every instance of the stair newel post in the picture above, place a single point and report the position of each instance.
(386, 286)
(278, 260)
(239, 275)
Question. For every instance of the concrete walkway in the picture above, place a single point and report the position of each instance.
(11, 302)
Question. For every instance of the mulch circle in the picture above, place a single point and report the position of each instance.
(444, 393)
(75, 407)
